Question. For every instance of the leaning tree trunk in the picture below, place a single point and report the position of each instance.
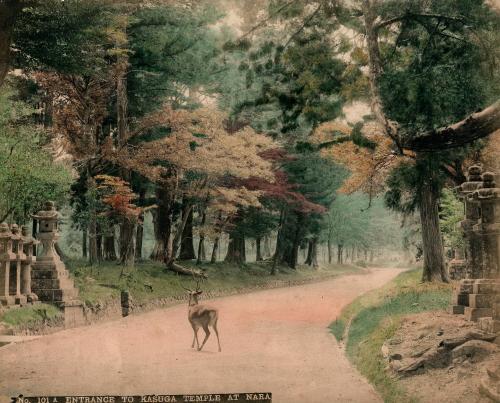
(187, 248)
(215, 250)
(434, 266)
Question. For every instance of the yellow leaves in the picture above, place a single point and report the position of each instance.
(199, 142)
(368, 167)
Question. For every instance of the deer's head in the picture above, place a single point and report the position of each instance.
(193, 295)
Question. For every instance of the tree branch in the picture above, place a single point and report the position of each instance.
(474, 127)
(406, 16)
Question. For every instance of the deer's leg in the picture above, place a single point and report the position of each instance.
(207, 333)
(217, 334)
(195, 336)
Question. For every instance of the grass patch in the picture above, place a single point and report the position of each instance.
(149, 280)
(31, 315)
(375, 316)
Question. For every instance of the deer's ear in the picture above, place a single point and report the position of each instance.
(199, 292)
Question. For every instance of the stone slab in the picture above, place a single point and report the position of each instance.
(456, 309)
(473, 314)
(481, 300)
(460, 299)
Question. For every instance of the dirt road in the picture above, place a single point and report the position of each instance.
(272, 341)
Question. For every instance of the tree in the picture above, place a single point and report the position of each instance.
(28, 173)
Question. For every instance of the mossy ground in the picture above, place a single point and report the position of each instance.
(374, 318)
(149, 280)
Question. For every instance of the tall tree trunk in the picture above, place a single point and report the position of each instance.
(109, 247)
(9, 10)
(258, 254)
(340, 251)
(127, 224)
(201, 244)
(267, 247)
(309, 252)
(93, 257)
(162, 224)
(84, 243)
(215, 250)
(312, 253)
(329, 246)
(127, 241)
(278, 249)
(236, 252)
(139, 235)
(187, 248)
(99, 243)
(434, 266)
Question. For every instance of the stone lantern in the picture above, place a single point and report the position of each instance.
(29, 259)
(474, 264)
(50, 280)
(15, 265)
(6, 256)
(488, 227)
(47, 234)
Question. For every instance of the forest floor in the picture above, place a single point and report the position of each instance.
(386, 331)
(151, 286)
(272, 341)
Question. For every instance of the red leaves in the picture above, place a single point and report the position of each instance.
(116, 193)
(284, 191)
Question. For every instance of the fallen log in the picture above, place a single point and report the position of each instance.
(187, 272)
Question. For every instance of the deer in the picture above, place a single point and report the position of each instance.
(201, 316)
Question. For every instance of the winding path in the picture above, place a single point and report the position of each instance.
(272, 341)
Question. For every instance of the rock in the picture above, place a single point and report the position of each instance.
(395, 357)
(473, 349)
(412, 366)
(473, 335)
(396, 365)
(6, 330)
(385, 350)
(420, 352)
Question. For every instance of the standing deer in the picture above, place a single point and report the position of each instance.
(201, 316)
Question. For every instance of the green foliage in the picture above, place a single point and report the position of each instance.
(28, 174)
(452, 212)
(172, 50)
(67, 36)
